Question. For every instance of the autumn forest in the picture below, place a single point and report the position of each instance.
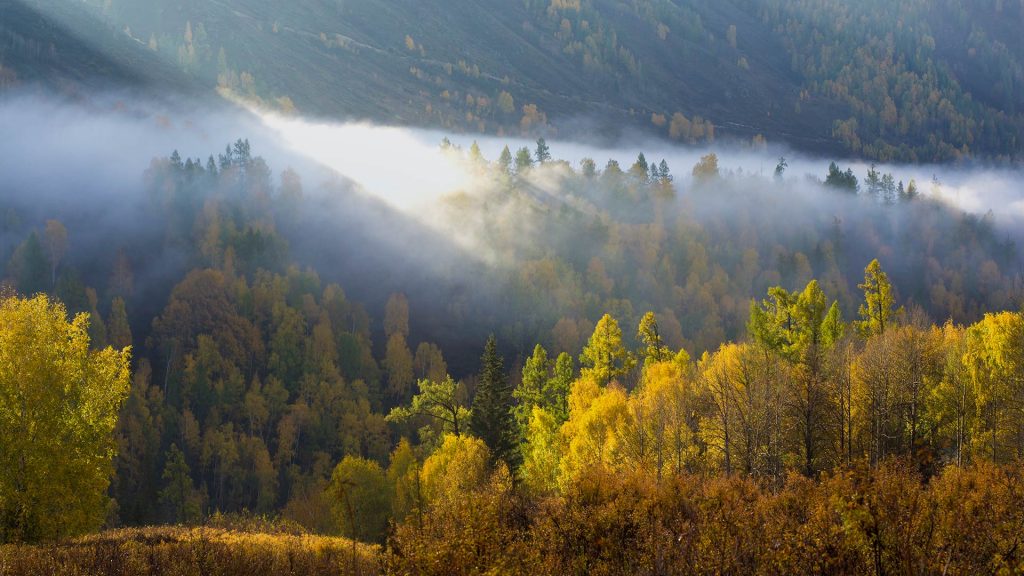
(538, 287)
(661, 371)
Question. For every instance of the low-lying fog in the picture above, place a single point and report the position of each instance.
(96, 151)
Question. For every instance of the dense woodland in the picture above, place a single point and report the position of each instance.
(910, 81)
(212, 365)
(676, 358)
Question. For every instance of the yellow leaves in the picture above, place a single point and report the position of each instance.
(591, 431)
(58, 407)
(359, 499)
(994, 358)
(171, 550)
(604, 357)
(457, 467)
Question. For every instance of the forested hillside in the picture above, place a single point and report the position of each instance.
(556, 287)
(64, 49)
(907, 81)
(255, 372)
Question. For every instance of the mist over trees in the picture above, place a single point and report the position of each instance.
(646, 328)
(541, 287)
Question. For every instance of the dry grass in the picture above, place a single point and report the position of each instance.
(175, 551)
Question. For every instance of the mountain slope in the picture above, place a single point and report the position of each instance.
(64, 47)
(908, 80)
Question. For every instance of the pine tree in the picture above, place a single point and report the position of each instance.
(874, 183)
(665, 175)
(558, 386)
(845, 181)
(888, 190)
(543, 153)
(780, 168)
(441, 401)
(492, 419)
(640, 168)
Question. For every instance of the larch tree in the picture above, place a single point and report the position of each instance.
(591, 435)
(801, 328)
(404, 482)
(119, 332)
(995, 361)
(429, 362)
(545, 384)
(398, 358)
(654, 349)
(542, 452)
(604, 358)
(669, 401)
(707, 168)
(505, 161)
(475, 155)
(59, 402)
(524, 161)
(396, 316)
(721, 380)
(879, 304)
(663, 172)
(530, 392)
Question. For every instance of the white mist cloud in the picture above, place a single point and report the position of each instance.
(404, 167)
(53, 146)
(977, 190)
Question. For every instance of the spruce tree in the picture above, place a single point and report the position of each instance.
(665, 175)
(492, 420)
(640, 168)
(543, 152)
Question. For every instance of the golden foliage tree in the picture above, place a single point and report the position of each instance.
(58, 408)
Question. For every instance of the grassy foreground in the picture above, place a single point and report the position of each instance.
(191, 551)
